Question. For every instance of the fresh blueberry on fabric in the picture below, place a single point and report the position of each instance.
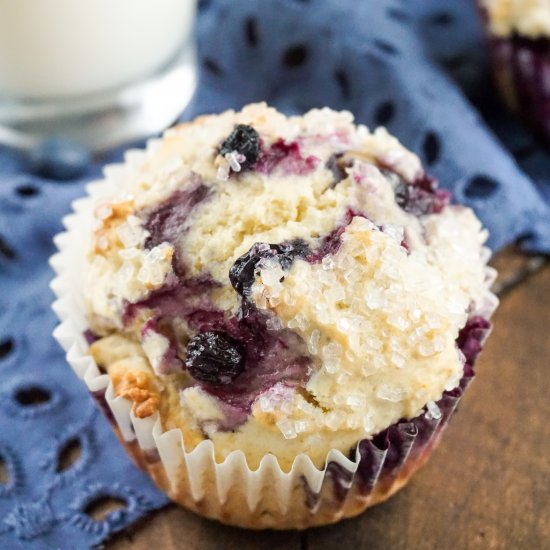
(59, 159)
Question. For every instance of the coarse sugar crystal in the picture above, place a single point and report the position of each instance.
(368, 423)
(131, 233)
(333, 420)
(352, 275)
(271, 274)
(129, 253)
(289, 298)
(265, 403)
(103, 212)
(331, 364)
(398, 359)
(287, 428)
(374, 298)
(126, 272)
(374, 343)
(398, 321)
(301, 426)
(313, 341)
(356, 400)
(390, 393)
(433, 411)
(332, 349)
(335, 294)
(343, 377)
(426, 348)
(103, 243)
(273, 322)
(394, 231)
(344, 324)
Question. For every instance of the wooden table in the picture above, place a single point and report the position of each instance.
(487, 485)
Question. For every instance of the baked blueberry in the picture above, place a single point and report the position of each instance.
(214, 358)
(243, 271)
(244, 140)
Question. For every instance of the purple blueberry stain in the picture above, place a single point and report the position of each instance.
(471, 337)
(169, 221)
(418, 201)
(331, 243)
(338, 169)
(286, 156)
(420, 197)
(90, 336)
(341, 480)
(268, 356)
(186, 299)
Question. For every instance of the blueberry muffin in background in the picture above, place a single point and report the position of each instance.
(283, 288)
(519, 41)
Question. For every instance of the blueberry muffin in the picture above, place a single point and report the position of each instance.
(519, 39)
(288, 289)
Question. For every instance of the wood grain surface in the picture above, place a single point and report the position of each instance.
(486, 487)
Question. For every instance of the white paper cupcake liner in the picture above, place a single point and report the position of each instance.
(230, 491)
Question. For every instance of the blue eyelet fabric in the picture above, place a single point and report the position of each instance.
(416, 67)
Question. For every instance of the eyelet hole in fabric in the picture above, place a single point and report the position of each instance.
(32, 396)
(27, 191)
(442, 19)
(525, 151)
(251, 31)
(6, 250)
(386, 47)
(69, 455)
(212, 66)
(4, 472)
(384, 113)
(398, 15)
(302, 3)
(6, 347)
(294, 56)
(455, 63)
(480, 187)
(342, 80)
(103, 506)
(431, 148)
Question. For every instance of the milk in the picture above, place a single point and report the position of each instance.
(67, 48)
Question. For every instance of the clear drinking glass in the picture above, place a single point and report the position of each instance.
(99, 72)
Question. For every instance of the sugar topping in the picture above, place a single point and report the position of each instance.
(370, 302)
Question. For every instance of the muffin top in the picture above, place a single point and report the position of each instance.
(528, 18)
(281, 285)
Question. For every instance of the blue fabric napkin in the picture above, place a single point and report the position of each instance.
(418, 70)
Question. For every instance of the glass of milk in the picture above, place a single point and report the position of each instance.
(100, 72)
